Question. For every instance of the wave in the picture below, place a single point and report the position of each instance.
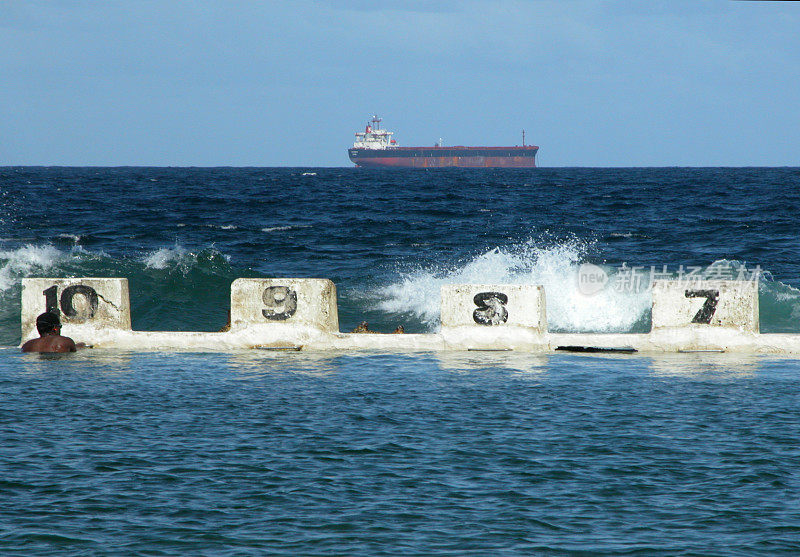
(173, 289)
(74, 238)
(554, 266)
(182, 289)
(779, 307)
(178, 258)
(623, 305)
(28, 260)
(285, 227)
(222, 226)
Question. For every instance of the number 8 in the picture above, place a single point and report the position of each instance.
(491, 308)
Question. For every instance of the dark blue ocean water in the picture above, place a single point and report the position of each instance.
(106, 452)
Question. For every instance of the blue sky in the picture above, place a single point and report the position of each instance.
(206, 83)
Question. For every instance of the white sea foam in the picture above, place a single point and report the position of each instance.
(178, 257)
(74, 237)
(284, 228)
(165, 257)
(789, 295)
(26, 261)
(554, 267)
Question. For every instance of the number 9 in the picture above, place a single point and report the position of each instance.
(281, 302)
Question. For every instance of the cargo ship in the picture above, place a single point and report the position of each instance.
(374, 147)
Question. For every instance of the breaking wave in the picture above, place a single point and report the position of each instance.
(171, 288)
(181, 289)
(555, 267)
(619, 307)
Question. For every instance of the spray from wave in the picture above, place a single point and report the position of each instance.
(27, 261)
(622, 308)
(553, 266)
(176, 288)
(181, 260)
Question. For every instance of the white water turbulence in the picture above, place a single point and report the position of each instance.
(570, 307)
(27, 261)
(166, 257)
(180, 259)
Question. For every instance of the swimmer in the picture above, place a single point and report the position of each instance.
(363, 327)
(50, 340)
(227, 327)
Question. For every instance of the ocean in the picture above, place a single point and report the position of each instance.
(108, 452)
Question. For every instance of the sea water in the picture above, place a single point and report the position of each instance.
(112, 452)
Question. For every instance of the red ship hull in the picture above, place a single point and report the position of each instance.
(444, 157)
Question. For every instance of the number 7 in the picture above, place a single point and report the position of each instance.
(705, 313)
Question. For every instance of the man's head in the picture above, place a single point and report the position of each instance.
(48, 323)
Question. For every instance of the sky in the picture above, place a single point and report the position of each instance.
(277, 83)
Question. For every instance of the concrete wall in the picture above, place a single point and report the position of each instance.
(290, 314)
(493, 305)
(705, 304)
(295, 302)
(493, 316)
(85, 305)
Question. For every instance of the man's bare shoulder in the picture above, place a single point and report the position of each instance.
(53, 343)
(31, 345)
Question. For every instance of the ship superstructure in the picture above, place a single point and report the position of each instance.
(373, 137)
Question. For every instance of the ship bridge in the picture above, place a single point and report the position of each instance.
(373, 137)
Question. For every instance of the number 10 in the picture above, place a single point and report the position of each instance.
(52, 302)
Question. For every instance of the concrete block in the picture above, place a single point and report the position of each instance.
(704, 304)
(284, 302)
(491, 306)
(83, 304)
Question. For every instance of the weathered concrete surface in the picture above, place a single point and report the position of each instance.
(278, 338)
(493, 317)
(265, 315)
(284, 302)
(145, 341)
(85, 305)
(675, 339)
(493, 305)
(704, 304)
(388, 342)
(498, 338)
